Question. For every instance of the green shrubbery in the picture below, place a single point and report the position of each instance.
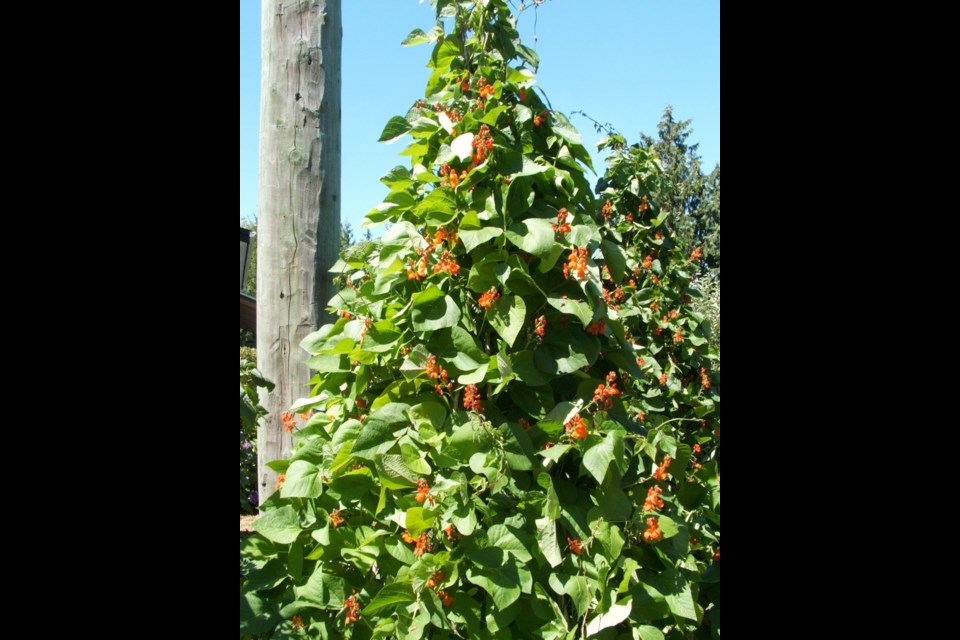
(516, 419)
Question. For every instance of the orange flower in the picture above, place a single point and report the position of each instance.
(297, 623)
(407, 537)
(696, 448)
(344, 314)
(289, 422)
(490, 298)
(423, 491)
(576, 546)
(678, 337)
(576, 428)
(641, 415)
(423, 545)
(653, 501)
(597, 327)
(526, 425)
(447, 599)
(576, 263)
(663, 378)
(471, 399)
(652, 534)
(447, 264)
(716, 556)
(607, 208)
(281, 478)
(540, 328)
(640, 362)
(648, 262)
(353, 609)
(436, 580)
(335, 518)
(604, 394)
(661, 471)
(562, 226)
(704, 378)
(451, 532)
(697, 254)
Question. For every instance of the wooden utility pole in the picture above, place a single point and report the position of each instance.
(299, 201)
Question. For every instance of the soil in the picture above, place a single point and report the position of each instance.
(246, 523)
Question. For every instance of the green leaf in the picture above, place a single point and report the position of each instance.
(280, 525)
(613, 503)
(547, 539)
(503, 583)
(393, 594)
(394, 473)
(599, 457)
(667, 527)
(353, 485)
(502, 538)
(609, 537)
(420, 520)
(535, 236)
(466, 440)
(551, 507)
(432, 310)
(579, 591)
(646, 632)
(577, 308)
(395, 129)
(417, 36)
(555, 452)
(617, 614)
(439, 207)
(616, 259)
(507, 317)
(562, 127)
(376, 437)
(519, 197)
(302, 481)
(473, 238)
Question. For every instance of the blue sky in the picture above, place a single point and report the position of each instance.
(620, 61)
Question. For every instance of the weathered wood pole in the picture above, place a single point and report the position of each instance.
(299, 201)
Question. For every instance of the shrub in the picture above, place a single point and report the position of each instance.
(516, 427)
(250, 412)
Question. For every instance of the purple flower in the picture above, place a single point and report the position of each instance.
(247, 446)
(253, 498)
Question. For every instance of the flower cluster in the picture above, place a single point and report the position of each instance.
(471, 399)
(297, 623)
(653, 501)
(563, 225)
(540, 327)
(652, 534)
(482, 143)
(607, 209)
(661, 471)
(335, 519)
(423, 491)
(489, 298)
(353, 609)
(422, 543)
(604, 394)
(597, 327)
(576, 263)
(289, 422)
(450, 177)
(575, 545)
(435, 372)
(281, 478)
(576, 428)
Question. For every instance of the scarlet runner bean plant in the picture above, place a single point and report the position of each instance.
(515, 428)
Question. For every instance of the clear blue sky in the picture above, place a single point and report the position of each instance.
(621, 61)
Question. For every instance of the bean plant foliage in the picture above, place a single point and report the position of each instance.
(515, 419)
